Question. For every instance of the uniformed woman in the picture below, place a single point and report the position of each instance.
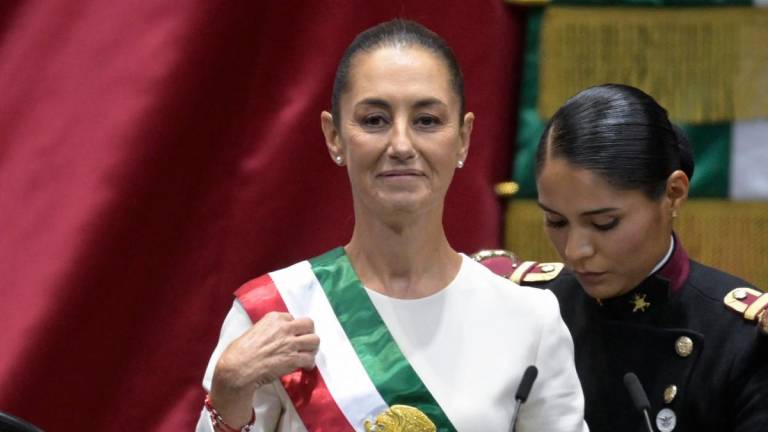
(612, 174)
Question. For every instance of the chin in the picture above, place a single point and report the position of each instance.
(406, 206)
(405, 202)
(600, 291)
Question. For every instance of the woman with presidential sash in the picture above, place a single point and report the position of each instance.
(395, 330)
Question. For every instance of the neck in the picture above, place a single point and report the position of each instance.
(666, 256)
(404, 257)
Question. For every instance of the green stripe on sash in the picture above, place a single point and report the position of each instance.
(385, 364)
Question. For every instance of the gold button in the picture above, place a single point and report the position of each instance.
(684, 346)
(739, 294)
(669, 393)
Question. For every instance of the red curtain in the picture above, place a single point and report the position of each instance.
(154, 155)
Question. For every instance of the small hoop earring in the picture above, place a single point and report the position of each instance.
(460, 164)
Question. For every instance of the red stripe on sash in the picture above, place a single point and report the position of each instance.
(307, 390)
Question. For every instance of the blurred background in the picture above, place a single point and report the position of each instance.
(707, 63)
(155, 155)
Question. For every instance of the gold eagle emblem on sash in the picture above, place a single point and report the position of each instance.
(400, 418)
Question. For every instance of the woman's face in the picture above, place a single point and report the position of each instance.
(611, 239)
(400, 133)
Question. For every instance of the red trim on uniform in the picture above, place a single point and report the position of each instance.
(501, 265)
(307, 390)
(677, 268)
(751, 298)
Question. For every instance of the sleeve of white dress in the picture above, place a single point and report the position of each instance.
(556, 402)
(266, 401)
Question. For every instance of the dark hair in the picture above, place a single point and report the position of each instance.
(394, 33)
(620, 133)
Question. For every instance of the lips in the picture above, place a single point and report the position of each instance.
(401, 173)
(589, 277)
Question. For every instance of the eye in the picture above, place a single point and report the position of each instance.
(374, 121)
(607, 226)
(552, 223)
(427, 121)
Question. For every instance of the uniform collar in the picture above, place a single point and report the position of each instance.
(676, 269)
(654, 292)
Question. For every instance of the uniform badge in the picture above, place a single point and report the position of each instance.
(666, 420)
(639, 303)
(400, 418)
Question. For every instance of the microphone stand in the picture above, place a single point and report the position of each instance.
(523, 390)
(639, 397)
(647, 420)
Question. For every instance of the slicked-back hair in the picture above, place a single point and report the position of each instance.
(396, 33)
(619, 133)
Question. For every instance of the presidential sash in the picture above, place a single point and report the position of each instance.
(362, 379)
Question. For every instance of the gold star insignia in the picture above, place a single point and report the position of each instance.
(639, 303)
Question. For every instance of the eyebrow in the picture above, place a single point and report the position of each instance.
(421, 103)
(427, 102)
(374, 102)
(586, 213)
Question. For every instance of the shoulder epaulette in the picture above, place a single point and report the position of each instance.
(534, 272)
(506, 264)
(751, 304)
(500, 261)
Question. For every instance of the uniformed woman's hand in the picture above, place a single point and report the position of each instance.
(276, 345)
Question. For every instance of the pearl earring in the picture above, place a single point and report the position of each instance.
(338, 159)
(460, 164)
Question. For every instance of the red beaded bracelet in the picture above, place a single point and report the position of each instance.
(219, 423)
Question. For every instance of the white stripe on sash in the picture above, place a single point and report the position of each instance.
(344, 375)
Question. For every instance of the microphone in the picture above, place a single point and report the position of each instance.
(523, 390)
(639, 398)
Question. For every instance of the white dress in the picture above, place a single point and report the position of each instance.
(470, 344)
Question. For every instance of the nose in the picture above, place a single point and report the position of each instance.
(401, 142)
(578, 246)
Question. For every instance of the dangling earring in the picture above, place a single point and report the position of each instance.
(338, 159)
(674, 214)
(460, 164)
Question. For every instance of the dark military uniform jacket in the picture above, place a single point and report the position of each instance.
(702, 365)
